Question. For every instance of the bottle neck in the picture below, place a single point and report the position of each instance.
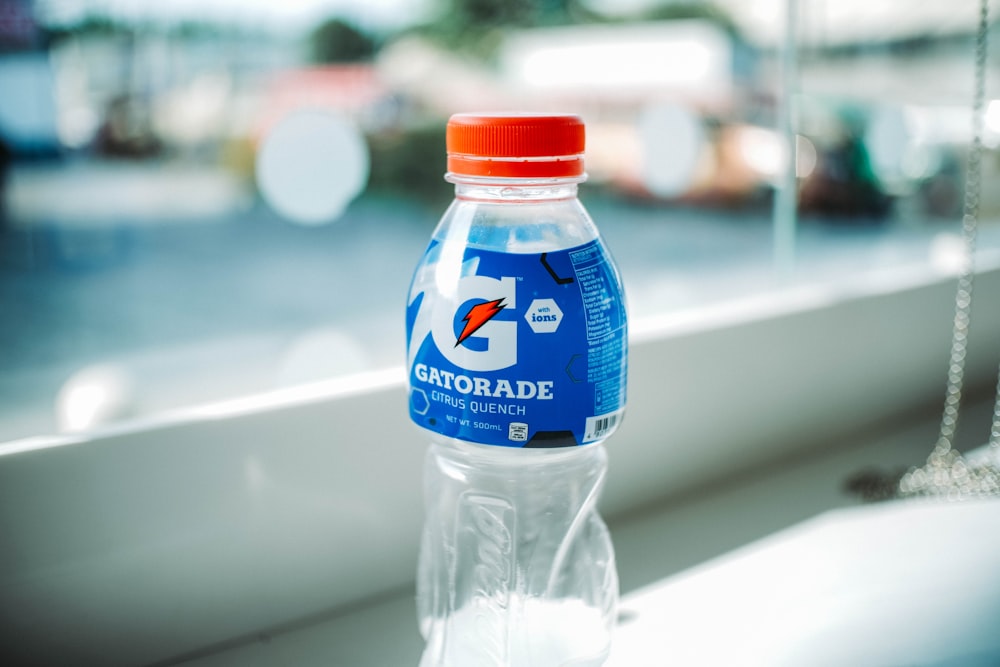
(514, 190)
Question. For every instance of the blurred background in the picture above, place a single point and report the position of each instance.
(206, 199)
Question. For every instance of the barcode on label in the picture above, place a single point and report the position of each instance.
(601, 425)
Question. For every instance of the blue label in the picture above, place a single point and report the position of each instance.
(518, 350)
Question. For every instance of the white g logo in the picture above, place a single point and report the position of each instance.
(501, 336)
(444, 286)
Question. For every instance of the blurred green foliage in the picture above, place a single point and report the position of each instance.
(475, 27)
(692, 9)
(337, 41)
(411, 163)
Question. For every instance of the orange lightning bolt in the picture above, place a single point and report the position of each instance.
(478, 315)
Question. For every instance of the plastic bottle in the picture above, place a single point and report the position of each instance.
(517, 352)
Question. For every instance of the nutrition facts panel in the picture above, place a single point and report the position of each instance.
(604, 314)
(603, 309)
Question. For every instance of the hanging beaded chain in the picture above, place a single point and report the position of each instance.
(947, 473)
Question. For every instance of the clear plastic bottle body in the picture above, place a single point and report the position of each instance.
(516, 566)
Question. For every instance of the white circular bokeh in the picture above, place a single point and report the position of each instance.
(95, 396)
(672, 140)
(311, 165)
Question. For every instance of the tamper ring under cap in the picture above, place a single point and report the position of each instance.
(516, 146)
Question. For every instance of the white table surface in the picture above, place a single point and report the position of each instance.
(777, 567)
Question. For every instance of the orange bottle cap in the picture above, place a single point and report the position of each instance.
(515, 145)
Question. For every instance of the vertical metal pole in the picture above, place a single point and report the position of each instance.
(786, 196)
